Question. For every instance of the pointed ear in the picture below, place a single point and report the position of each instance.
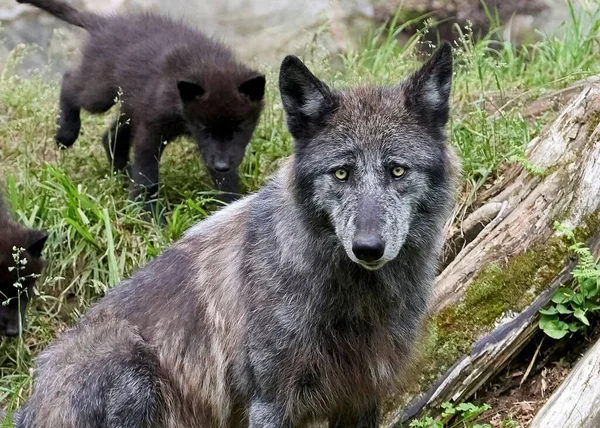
(306, 100)
(427, 92)
(189, 91)
(253, 88)
(37, 239)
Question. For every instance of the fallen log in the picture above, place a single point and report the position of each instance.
(569, 153)
(459, 231)
(576, 402)
(492, 352)
(524, 206)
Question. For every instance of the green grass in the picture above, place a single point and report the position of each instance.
(97, 237)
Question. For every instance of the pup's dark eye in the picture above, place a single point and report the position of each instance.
(398, 172)
(341, 174)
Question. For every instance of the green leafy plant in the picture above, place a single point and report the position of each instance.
(570, 307)
(462, 416)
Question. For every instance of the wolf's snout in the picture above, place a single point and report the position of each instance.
(9, 328)
(222, 166)
(368, 248)
(10, 331)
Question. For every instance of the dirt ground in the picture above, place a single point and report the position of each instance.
(517, 395)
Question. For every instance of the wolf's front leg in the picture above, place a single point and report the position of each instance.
(367, 417)
(266, 414)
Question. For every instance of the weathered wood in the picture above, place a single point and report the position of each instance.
(492, 352)
(525, 206)
(570, 189)
(576, 402)
(461, 231)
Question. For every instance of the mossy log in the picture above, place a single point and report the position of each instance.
(560, 181)
(568, 153)
(576, 402)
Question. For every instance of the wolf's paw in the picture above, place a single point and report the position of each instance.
(67, 134)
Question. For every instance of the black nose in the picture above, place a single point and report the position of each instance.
(222, 166)
(10, 331)
(368, 248)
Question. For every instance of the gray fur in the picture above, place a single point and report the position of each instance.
(260, 316)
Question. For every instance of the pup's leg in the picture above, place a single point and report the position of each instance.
(69, 122)
(117, 143)
(148, 148)
(368, 417)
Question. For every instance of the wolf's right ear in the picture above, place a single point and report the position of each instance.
(306, 100)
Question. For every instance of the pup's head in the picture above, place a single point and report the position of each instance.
(222, 110)
(373, 161)
(17, 278)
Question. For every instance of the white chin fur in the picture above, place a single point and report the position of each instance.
(369, 266)
(372, 266)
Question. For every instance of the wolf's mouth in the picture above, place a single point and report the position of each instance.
(372, 265)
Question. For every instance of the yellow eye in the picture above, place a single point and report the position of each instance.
(398, 172)
(341, 174)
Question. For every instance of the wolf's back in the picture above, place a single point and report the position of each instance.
(66, 12)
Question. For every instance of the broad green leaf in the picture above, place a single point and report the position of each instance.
(591, 306)
(552, 310)
(449, 409)
(579, 299)
(580, 315)
(466, 407)
(562, 309)
(563, 295)
(547, 319)
(589, 287)
(556, 329)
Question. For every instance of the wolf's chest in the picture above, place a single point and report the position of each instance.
(343, 371)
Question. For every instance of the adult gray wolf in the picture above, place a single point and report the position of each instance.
(297, 304)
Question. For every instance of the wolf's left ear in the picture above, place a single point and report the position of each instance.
(427, 92)
(189, 91)
(37, 240)
(306, 100)
(254, 87)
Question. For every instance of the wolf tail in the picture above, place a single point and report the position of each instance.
(67, 13)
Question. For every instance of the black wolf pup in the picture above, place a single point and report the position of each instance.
(175, 81)
(17, 277)
(296, 304)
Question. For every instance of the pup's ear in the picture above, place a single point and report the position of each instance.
(306, 100)
(36, 241)
(254, 88)
(427, 92)
(189, 91)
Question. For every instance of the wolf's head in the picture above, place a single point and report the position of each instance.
(17, 278)
(372, 161)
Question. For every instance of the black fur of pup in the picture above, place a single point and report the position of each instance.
(16, 282)
(175, 81)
